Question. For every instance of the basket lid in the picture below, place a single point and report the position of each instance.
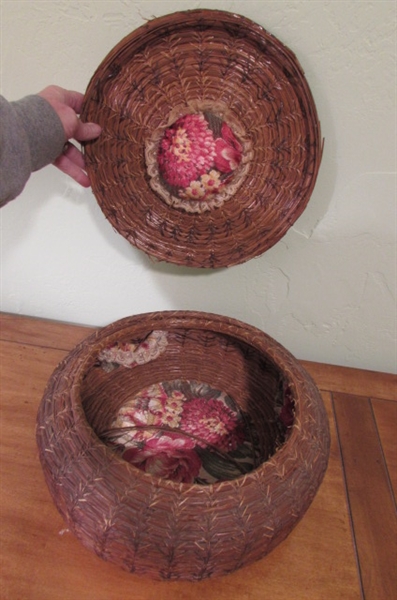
(211, 142)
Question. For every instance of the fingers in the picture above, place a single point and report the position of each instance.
(71, 162)
(75, 128)
(87, 131)
(74, 155)
(68, 105)
(56, 95)
(74, 100)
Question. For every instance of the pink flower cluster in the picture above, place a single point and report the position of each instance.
(187, 150)
(195, 422)
(192, 159)
(211, 422)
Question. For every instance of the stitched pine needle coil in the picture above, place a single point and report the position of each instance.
(181, 445)
(211, 142)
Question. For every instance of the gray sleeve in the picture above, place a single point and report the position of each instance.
(31, 137)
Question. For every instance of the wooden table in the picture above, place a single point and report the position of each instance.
(344, 548)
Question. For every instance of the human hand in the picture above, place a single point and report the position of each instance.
(68, 104)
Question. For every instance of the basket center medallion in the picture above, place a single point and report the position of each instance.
(197, 162)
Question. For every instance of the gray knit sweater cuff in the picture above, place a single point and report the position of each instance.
(31, 137)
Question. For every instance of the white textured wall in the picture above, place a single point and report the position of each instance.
(327, 290)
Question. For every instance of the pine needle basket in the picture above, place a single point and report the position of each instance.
(228, 69)
(156, 526)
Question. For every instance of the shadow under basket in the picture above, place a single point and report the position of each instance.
(182, 445)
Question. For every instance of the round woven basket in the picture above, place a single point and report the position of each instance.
(211, 143)
(260, 412)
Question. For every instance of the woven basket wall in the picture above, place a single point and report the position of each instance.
(156, 526)
(203, 61)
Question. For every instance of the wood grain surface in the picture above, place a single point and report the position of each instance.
(344, 547)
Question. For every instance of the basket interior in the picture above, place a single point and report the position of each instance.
(188, 405)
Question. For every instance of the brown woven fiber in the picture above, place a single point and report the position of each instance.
(162, 527)
(229, 71)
